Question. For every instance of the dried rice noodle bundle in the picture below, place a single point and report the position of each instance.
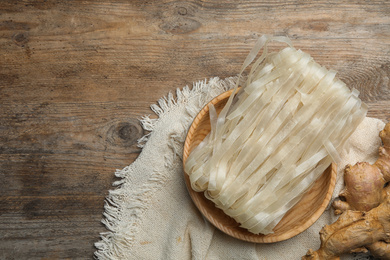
(274, 137)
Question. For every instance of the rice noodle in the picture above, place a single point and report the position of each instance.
(274, 137)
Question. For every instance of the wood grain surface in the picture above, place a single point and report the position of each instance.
(75, 77)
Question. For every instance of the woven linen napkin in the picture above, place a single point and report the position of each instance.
(150, 215)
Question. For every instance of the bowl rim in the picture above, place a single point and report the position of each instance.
(238, 232)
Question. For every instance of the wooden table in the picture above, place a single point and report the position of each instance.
(75, 77)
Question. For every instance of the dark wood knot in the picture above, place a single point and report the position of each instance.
(179, 19)
(124, 133)
(20, 39)
(182, 10)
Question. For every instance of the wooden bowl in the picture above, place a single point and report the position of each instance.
(296, 220)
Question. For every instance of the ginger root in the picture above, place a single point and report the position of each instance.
(364, 205)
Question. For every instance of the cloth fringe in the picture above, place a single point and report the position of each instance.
(115, 242)
(123, 209)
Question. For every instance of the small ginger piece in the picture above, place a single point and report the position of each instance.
(364, 205)
(363, 188)
(355, 230)
(364, 183)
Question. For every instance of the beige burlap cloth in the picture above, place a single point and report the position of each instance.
(150, 215)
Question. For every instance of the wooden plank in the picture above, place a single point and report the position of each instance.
(75, 77)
